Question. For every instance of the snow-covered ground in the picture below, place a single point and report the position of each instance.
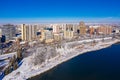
(66, 52)
(4, 63)
(5, 56)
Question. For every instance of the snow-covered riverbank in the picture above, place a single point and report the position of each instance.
(70, 50)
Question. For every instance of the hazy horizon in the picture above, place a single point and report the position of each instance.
(60, 20)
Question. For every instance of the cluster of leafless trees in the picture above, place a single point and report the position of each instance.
(44, 53)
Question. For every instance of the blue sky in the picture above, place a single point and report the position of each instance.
(59, 9)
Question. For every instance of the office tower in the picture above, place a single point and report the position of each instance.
(82, 28)
(28, 32)
(68, 32)
(9, 31)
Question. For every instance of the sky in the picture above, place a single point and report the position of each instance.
(61, 10)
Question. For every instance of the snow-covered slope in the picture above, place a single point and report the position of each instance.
(66, 52)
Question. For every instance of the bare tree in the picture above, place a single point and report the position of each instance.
(39, 56)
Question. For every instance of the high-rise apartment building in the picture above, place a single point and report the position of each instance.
(42, 36)
(68, 32)
(28, 32)
(93, 30)
(56, 29)
(106, 30)
(82, 28)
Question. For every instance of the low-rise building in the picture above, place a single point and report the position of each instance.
(58, 37)
(46, 35)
